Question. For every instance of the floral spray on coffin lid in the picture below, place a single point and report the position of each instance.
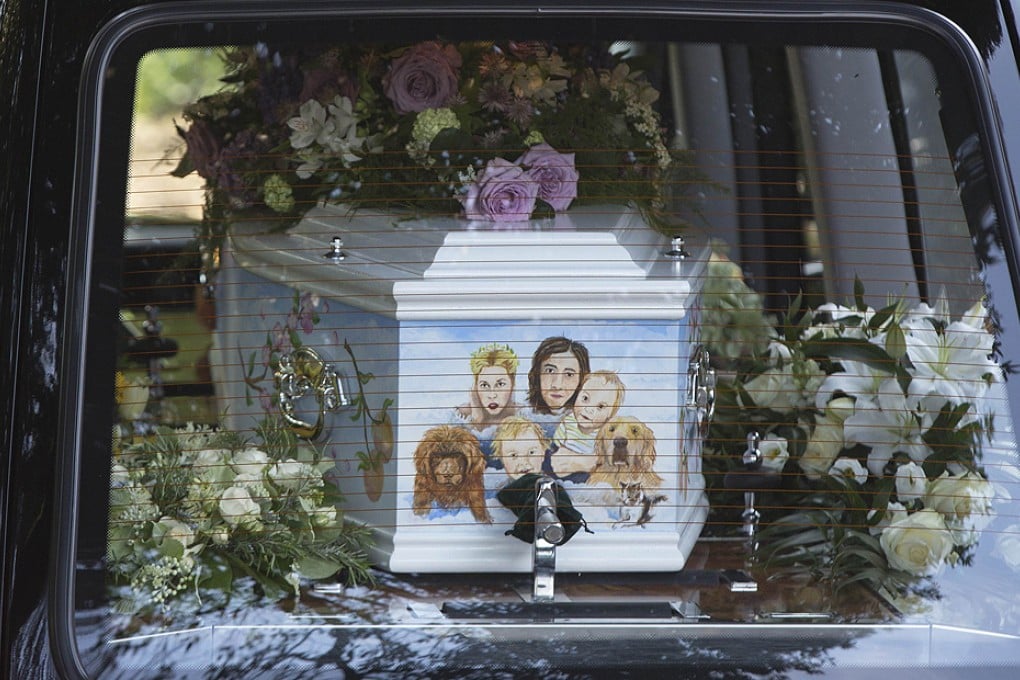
(469, 195)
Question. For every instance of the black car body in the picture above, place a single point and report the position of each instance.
(51, 252)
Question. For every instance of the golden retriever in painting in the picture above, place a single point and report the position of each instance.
(449, 466)
(625, 455)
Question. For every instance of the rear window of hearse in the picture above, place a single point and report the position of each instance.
(422, 346)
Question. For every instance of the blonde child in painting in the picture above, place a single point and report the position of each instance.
(598, 400)
(520, 444)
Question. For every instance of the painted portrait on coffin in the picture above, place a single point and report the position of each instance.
(593, 404)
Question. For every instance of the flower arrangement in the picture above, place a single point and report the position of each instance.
(874, 421)
(497, 132)
(192, 511)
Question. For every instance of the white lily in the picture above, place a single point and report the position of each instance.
(887, 425)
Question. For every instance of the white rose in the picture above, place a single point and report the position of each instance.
(911, 482)
(959, 497)
(250, 461)
(774, 453)
(290, 474)
(170, 528)
(238, 509)
(822, 448)
(1008, 547)
(210, 465)
(774, 389)
(918, 543)
(849, 469)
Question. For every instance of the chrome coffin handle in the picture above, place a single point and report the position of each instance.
(701, 383)
(302, 372)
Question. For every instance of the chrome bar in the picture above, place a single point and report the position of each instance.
(549, 533)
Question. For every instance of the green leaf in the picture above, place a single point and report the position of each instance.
(874, 576)
(794, 308)
(895, 341)
(217, 574)
(172, 548)
(859, 295)
(852, 349)
(881, 316)
(876, 560)
(315, 568)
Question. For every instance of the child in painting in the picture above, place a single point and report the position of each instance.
(598, 400)
(494, 368)
(520, 444)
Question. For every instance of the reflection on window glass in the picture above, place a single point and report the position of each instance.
(722, 303)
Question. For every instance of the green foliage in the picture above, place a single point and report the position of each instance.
(867, 449)
(193, 510)
(170, 79)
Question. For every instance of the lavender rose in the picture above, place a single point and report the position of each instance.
(423, 77)
(555, 174)
(503, 192)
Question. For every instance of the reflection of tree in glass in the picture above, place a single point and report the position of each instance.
(362, 639)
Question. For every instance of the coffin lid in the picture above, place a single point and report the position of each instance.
(594, 262)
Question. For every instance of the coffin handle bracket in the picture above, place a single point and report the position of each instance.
(304, 372)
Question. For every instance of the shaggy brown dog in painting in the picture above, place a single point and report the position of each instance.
(449, 467)
(625, 454)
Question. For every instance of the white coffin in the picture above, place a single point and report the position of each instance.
(413, 299)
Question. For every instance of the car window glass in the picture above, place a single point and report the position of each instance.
(384, 325)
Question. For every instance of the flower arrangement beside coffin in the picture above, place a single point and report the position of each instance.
(194, 511)
(496, 132)
(875, 420)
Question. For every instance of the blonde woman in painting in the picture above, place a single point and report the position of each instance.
(494, 371)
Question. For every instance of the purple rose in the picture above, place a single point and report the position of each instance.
(502, 193)
(423, 77)
(554, 173)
